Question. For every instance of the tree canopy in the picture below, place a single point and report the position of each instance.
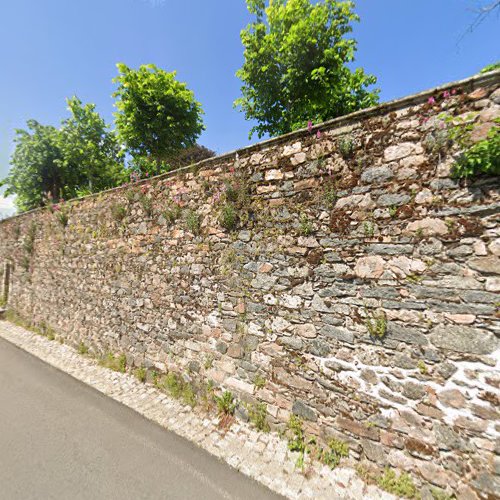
(80, 157)
(297, 65)
(157, 115)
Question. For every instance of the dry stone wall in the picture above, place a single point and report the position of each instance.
(355, 283)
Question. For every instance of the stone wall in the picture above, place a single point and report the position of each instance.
(358, 290)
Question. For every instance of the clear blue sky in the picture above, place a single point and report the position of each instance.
(52, 49)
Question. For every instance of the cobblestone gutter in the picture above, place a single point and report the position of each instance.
(264, 457)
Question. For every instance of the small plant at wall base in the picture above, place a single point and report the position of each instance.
(257, 414)
(336, 451)
(225, 403)
(140, 374)
(296, 442)
(401, 486)
(115, 363)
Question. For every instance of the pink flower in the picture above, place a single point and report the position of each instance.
(232, 170)
(318, 134)
(446, 94)
(310, 126)
(453, 91)
(147, 174)
(431, 100)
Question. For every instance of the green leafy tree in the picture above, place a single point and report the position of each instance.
(80, 157)
(296, 65)
(157, 115)
(34, 168)
(92, 159)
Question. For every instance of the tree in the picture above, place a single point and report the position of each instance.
(91, 155)
(34, 168)
(296, 65)
(78, 158)
(157, 116)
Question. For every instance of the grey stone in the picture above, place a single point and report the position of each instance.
(464, 339)
(336, 366)
(487, 265)
(292, 343)
(487, 483)
(369, 375)
(380, 293)
(443, 184)
(405, 334)
(221, 347)
(404, 361)
(374, 452)
(319, 347)
(478, 296)
(412, 390)
(446, 370)
(377, 174)
(389, 249)
(430, 246)
(388, 200)
(341, 334)
(301, 409)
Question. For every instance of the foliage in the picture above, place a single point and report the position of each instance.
(369, 229)
(490, 67)
(172, 212)
(157, 116)
(305, 225)
(140, 374)
(336, 451)
(259, 381)
(91, 155)
(34, 166)
(296, 67)
(115, 363)
(147, 204)
(228, 217)
(346, 147)
(376, 324)
(296, 442)
(82, 348)
(258, 416)
(29, 240)
(62, 215)
(482, 157)
(178, 388)
(225, 403)
(193, 222)
(190, 156)
(80, 157)
(118, 211)
(401, 486)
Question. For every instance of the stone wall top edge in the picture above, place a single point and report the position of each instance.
(473, 82)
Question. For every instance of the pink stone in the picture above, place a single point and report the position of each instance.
(370, 267)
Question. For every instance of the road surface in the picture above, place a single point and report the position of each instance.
(60, 439)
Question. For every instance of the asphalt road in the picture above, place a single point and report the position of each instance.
(60, 439)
